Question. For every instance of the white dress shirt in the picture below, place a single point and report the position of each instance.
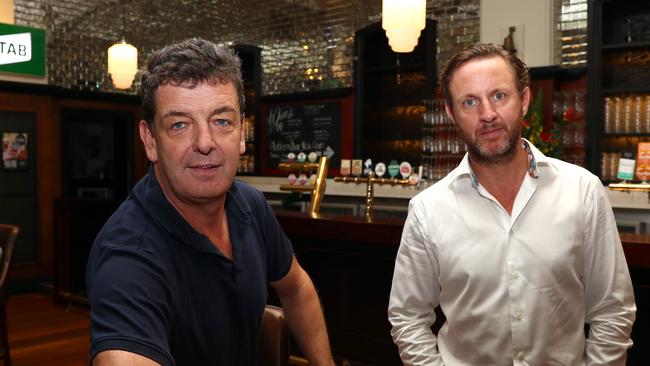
(516, 289)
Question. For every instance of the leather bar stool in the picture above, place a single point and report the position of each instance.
(273, 340)
(8, 235)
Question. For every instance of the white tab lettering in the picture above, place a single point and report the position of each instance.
(15, 48)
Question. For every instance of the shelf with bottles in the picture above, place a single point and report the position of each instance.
(618, 80)
(612, 148)
(393, 132)
(247, 159)
(626, 114)
(623, 21)
(409, 149)
(390, 88)
(442, 146)
(397, 87)
(394, 123)
(626, 69)
(250, 56)
(569, 113)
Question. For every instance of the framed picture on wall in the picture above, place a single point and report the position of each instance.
(15, 150)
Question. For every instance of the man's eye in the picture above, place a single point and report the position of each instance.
(469, 103)
(178, 125)
(499, 96)
(222, 122)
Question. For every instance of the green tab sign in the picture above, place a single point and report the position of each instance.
(22, 50)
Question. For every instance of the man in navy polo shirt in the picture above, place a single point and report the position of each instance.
(178, 275)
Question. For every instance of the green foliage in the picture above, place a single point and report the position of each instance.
(547, 141)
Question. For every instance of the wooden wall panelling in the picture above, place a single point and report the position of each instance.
(140, 162)
(48, 162)
(47, 179)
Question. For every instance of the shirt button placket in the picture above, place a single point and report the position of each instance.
(515, 293)
(521, 356)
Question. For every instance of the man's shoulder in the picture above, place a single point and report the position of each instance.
(440, 190)
(246, 194)
(572, 172)
(126, 227)
(246, 190)
(128, 242)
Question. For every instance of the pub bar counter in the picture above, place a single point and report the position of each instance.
(351, 261)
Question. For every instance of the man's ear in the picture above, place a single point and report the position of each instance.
(148, 141)
(242, 135)
(450, 113)
(525, 100)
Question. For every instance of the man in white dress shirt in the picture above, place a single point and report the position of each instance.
(519, 250)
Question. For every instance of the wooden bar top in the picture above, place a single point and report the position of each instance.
(383, 231)
(637, 249)
(388, 231)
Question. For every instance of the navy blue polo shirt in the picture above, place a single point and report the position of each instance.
(160, 289)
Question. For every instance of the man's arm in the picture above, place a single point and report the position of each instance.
(122, 358)
(610, 309)
(129, 306)
(305, 317)
(414, 295)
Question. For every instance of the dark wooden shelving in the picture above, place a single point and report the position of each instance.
(626, 134)
(394, 69)
(610, 23)
(642, 89)
(251, 72)
(624, 46)
(617, 67)
(396, 103)
(391, 89)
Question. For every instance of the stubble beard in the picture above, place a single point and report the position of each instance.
(505, 153)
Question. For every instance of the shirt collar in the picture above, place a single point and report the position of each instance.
(533, 171)
(536, 160)
(150, 196)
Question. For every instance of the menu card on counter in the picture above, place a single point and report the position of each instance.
(626, 166)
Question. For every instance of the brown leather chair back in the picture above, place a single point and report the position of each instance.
(273, 340)
(8, 234)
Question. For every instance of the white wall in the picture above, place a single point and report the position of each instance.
(7, 11)
(534, 22)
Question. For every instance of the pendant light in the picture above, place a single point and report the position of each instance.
(122, 62)
(403, 20)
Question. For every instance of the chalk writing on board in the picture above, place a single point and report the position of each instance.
(306, 128)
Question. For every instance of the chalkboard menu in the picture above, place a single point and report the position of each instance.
(303, 128)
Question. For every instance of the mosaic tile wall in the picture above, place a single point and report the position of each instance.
(295, 35)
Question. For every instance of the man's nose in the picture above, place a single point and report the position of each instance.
(487, 112)
(204, 142)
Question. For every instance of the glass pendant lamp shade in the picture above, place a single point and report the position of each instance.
(122, 64)
(403, 20)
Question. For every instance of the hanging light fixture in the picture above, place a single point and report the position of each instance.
(122, 62)
(403, 20)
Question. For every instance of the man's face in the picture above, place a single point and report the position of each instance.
(487, 108)
(196, 142)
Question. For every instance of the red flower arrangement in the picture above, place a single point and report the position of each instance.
(547, 141)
